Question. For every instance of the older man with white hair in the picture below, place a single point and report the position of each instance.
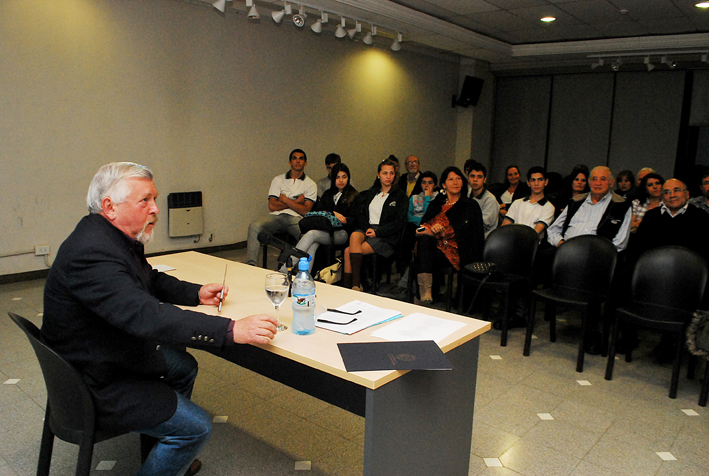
(112, 317)
(600, 212)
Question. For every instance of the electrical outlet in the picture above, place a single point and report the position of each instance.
(41, 250)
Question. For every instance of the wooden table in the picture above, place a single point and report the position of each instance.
(416, 422)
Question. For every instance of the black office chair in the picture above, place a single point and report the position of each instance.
(668, 285)
(512, 249)
(287, 237)
(582, 273)
(70, 413)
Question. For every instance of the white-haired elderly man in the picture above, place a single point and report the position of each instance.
(106, 311)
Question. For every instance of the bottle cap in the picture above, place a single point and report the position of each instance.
(303, 264)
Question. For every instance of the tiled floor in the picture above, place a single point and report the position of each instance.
(605, 428)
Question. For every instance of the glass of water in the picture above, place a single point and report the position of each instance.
(277, 290)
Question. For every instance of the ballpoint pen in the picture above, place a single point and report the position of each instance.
(221, 295)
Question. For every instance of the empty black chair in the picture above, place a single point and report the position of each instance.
(582, 273)
(70, 413)
(512, 249)
(668, 285)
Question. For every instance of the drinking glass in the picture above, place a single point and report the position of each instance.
(277, 290)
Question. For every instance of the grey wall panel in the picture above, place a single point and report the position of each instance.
(699, 115)
(646, 121)
(521, 113)
(580, 121)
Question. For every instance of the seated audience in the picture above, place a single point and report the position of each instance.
(337, 199)
(600, 212)
(324, 183)
(408, 181)
(452, 232)
(638, 178)
(381, 217)
(476, 173)
(702, 201)
(510, 190)
(649, 195)
(534, 210)
(625, 183)
(291, 196)
(575, 184)
(418, 203)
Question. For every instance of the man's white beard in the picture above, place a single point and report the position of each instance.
(145, 237)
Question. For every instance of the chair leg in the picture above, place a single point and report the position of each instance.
(550, 315)
(676, 367)
(46, 446)
(375, 262)
(582, 340)
(611, 350)
(86, 450)
(449, 291)
(504, 298)
(530, 326)
(705, 388)
(691, 366)
(410, 282)
(265, 256)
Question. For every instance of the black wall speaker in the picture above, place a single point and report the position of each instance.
(470, 93)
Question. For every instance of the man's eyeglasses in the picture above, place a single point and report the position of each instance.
(669, 191)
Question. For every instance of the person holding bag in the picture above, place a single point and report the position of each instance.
(331, 218)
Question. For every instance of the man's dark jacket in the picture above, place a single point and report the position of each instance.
(104, 313)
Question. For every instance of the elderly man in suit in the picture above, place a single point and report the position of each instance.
(106, 311)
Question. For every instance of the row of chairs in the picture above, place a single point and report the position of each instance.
(667, 287)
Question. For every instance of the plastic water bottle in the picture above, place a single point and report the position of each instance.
(303, 300)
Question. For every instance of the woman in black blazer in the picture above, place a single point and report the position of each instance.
(381, 214)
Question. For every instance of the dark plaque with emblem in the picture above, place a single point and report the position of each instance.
(404, 355)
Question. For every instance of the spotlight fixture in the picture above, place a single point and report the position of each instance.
(220, 5)
(547, 19)
(253, 12)
(340, 32)
(596, 65)
(368, 40)
(317, 26)
(705, 58)
(358, 28)
(673, 64)
(396, 46)
(615, 65)
(670, 63)
(648, 65)
(278, 16)
(702, 5)
(299, 18)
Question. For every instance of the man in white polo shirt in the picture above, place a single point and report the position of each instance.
(535, 210)
(291, 196)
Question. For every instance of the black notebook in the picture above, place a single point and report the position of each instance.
(403, 355)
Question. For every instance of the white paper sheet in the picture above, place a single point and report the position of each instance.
(370, 316)
(418, 326)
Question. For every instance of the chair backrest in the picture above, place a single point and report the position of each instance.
(585, 263)
(670, 276)
(512, 248)
(70, 403)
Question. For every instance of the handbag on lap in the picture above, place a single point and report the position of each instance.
(322, 221)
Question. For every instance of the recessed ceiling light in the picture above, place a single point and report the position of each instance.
(548, 19)
(702, 5)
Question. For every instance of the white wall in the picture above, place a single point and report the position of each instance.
(210, 102)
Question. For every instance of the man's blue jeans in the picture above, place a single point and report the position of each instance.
(182, 436)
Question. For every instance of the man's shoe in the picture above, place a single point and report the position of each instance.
(194, 468)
